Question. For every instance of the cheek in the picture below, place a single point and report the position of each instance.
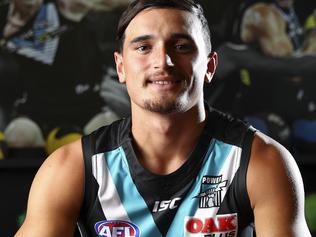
(200, 68)
(136, 66)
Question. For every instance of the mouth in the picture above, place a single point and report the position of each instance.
(163, 84)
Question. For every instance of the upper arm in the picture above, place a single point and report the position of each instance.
(56, 195)
(275, 190)
(263, 23)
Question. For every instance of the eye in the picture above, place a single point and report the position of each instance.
(143, 48)
(184, 48)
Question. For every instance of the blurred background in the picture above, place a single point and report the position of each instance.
(58, 81)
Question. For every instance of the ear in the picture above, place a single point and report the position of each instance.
(119, 67)
(211, 66)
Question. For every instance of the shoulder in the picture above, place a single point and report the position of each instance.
(56, 194)
(63, 170)
(226, 128)
(65, 155)
(271, 163)
(275, 188)
(107, 137)
(268, 153)
(61, 178)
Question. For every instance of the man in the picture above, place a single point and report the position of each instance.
(176, 167)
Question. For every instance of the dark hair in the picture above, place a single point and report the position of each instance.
(137, 6)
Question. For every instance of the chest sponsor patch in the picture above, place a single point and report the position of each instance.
(116, 228)
(218, 226)
(211, 191)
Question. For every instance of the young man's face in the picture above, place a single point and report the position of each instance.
(164, 61)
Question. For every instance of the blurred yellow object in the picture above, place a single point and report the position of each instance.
(57, 138)
(310, 23)
(3, 146)
(310, 211)
(2, 137)
(245, 77)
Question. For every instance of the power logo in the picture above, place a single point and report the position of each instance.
(211, 191)
(116, 229)
(219, 226)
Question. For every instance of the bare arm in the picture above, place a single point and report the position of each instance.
(276, 190)
(56, 195)
(263, 23)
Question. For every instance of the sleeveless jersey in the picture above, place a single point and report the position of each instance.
(206, 196)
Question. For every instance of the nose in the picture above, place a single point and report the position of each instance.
(169, 61)
(162, 59)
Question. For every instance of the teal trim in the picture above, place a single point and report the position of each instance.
(216, 157)
(131, 199)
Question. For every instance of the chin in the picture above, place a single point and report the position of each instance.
(163, 107)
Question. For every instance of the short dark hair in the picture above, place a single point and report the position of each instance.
(137, 6)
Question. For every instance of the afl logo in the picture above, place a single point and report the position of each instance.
(116, 229)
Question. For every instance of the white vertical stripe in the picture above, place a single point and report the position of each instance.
(107, 193)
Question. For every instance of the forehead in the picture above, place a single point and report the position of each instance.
(162, 22)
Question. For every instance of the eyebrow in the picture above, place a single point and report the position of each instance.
(181, 36)
(174, 36)
(141, 38)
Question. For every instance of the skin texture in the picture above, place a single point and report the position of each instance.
(169, 50)
(164, 63)
(276, 190)
(56, 195)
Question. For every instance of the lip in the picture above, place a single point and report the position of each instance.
(163, 83)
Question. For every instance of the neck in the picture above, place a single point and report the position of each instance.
(164, 142)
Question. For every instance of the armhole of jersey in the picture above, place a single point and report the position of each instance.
(88, 149)
(243, 191)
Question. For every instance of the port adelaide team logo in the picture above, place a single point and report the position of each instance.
(116, 228)
(211, 191)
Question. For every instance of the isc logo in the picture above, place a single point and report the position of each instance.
(165, 205)
(116, 229)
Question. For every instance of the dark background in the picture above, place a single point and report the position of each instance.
(16, 173)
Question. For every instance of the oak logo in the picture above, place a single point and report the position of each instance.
(218, 226)
(211, 191)
(116, 228)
